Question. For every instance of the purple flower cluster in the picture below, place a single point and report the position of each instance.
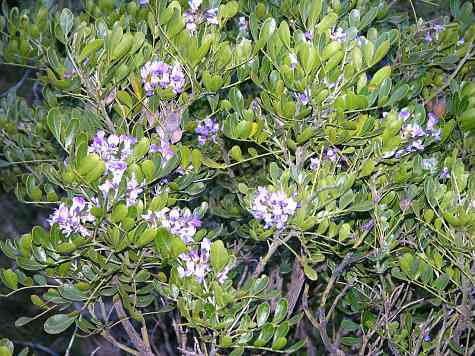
(114, 151)
(193, 17)
(304, 97)
(293, 60)
(158, 73)
(164, 149)
(73, 219)
(331, 155)
(415, 133)
(275, 208)
(314, 163)
(180, 222)
(243, 25)
(338, 35)
(433, 33)
(207, 130)
(196, 264)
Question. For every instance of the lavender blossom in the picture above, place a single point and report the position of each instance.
(180, 222)
(158, 73)
(293, 60)
(194, 4)
(164, 149)
(308, 35)
(417, 145)
(196, 262)
(223, 275)
(211, 16)
(314, 163)
(275, 208)
(431, 122)
(133, 191)
(242, 24)
(331, 154)
(461, 41)
(413, 131)
(73, 219)
(368, 226)
(428, 38)
(207, 130)
(338, 35)
(404, 114)
(445, 173)
(304, 97)
(143, 2)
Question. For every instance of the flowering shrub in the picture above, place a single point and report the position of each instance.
(243, 174)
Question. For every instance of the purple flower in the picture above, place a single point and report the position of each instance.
(143, 2)
(427, 338)
(368, 226)
(418, 145)
(195, 263)
(223, 275)
(338, 35)
(413, 130)
(73, 219)
(331, 154)
(428, 37)
(461, 41)
(308, 35)
(275, 208)
(242, 24)
(211, 16)
(404, 114)
(304, 97)
(180, 222)
(314, 163)
(194, 4)
(177, 78)
(133, 191)
(436, 134)
(207, 130)
(158, 73)
(293, 60)
(164, 149)
(432, 121)
(445, 173)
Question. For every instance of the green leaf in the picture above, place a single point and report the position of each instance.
(262, 314)
(10, 279)
(58, 323)
(237, 351)
(268, 28)
(284, 34)
(408, 264)
(196, 159)
(280, 343)
(6, 347)
(280, 311)
(22, 321)
(295, 347)
(381, 52)
(72, 293)
(310, 273)
(265, 335)
(66, 21)
(442, 281)
(219, 256)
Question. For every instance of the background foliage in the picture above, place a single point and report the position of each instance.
(300, 180)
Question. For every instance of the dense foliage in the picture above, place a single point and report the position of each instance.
(231, 178)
